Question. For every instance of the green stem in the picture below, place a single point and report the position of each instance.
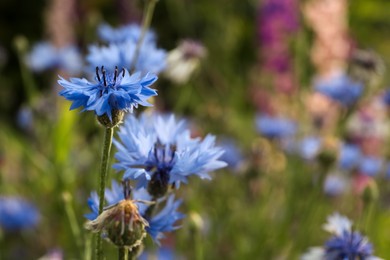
(147, 19)
(74, 226)
(123, 253)
(88, 247)
(29, 85)
(103, 175)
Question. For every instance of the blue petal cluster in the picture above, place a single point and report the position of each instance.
(386, 97)
(233, 155)
(349, 156)
(348, 245)
(344, 244)
(275, 127)
(112, 90)
(340, 88)
(370, 165)
(163, 221)
(123, 33)
(45, 56)
(161, 148)
(309, 147)
(17, 214)
(162, 253)
(121, 50)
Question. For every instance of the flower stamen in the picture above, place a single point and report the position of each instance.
(97, 73)
(115, 73)
(104, 76)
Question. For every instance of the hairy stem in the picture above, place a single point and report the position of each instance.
(103, 176)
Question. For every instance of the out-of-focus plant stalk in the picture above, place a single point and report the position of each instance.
(146, 20)
(74, 226)
(102, 182)
(88, 247)
(29, 85)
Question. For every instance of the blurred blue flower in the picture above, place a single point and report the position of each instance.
(386, 97)
(344, 244)
(348, 245)
(370, 165)
(163, 221)
(349, 156)
(123, 33)
(275, 127)
(334, 185)
(150, 59)
(45, 56)
(387, 170)
(162, 253)
(309, 147)
(24, 118)
(116, 90)
(340, 88)
(232, 155)
(160, 149)
(17, 213)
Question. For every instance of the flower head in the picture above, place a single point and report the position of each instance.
(275, 127)
(335, 184)
(344, 244)
(44, 56)
(163, 221)
(150, 59)
(162, 253)
(158, 151)
(117, 90)
(309, 147)
(184, 60)
(370, 165)
(340, 88)
(17, 213)
(349, 156)
(123, 33)
(233, 155)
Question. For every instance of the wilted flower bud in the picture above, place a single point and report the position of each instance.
(121, 223)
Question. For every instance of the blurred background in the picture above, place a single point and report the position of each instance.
(295, 90)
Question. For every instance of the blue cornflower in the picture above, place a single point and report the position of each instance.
(150, 59)
(275, 127)
(370, 165)
(387, 170)
(344, 244)
(349, 156)
(335, 184)
(159, 151)
(123, 33)
(44, 56)
(386, 97)
(163, 221)
(309, 147)
(348, 245)
(340, 88)
(162, 253)
(112, 91)
(17, 214)
(232, 155)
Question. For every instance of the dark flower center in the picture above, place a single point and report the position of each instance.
(107, 79)
(159, 164)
